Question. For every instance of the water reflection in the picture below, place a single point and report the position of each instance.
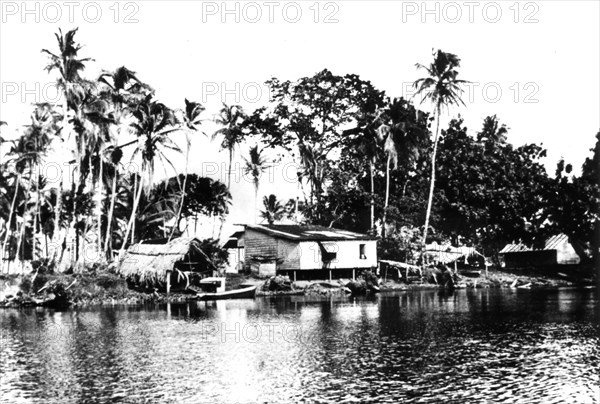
(475, 345)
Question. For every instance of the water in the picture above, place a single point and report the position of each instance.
(468, 346)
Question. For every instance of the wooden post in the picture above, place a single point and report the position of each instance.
(294, 276)
(168, 282)
(353, 274)
(330, 275)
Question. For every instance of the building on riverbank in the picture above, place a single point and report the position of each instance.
(558, 250)
(303, 252)
(165, 263)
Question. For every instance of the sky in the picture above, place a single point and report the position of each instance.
(536, 65)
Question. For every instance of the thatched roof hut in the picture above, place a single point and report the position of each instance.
(152, 260)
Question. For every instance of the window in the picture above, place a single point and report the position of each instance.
(362, 248)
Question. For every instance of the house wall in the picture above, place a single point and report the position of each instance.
(236, 260)
(525, 259)
(566, 254)
(306, 255)
(257, 244)
(347, 254)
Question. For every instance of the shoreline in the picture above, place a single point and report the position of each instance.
(107, 289)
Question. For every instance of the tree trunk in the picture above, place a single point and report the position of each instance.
(24, 224)
(99, 207)
(372, 202)
(57, 213)
(177, 218)
(255, 204)
(36, 214)
(131, 221)
(432, 183)
(387, 196)
(135, 185)
(229, 170)
(10, 213)
(113, 198)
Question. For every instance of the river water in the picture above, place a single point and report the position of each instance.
(483, 345)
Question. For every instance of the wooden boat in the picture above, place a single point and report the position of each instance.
(243, 293)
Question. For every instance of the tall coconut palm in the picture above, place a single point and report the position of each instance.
(256, 164)
(93, 124)
(123, 90)
(402, 137)
(368, 147)
(192, 122)
(29, 150)
(69, 67)
(443, 89)
(274, 210)
(154, 121)
(386, 137)
(230, 118)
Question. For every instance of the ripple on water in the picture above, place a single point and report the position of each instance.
(424, 347)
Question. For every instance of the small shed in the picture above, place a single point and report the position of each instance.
(307, 252)
(161, 262)
(558, 250)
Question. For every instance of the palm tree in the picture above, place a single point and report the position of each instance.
(255, 166)
(274, 210)
(192, 121)
(402, 138)
(154, 121)
(492, 132)
(2, 140)
(443, 89)
(123, 90)
(69, 68)
(29, 150)
(386, 137)
(93, 124)
(230, 118)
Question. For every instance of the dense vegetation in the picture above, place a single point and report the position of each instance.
(367, 162)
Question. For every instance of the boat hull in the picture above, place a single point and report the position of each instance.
(244, 293)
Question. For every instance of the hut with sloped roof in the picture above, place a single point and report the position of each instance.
(557, 250)
(166, 263)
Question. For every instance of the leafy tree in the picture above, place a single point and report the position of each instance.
(308, 119)
(573, 203)
(491, 192)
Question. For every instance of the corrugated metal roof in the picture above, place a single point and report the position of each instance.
(514, 248)
(551, 244)
(308, 233)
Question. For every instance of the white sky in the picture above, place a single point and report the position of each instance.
(183, 49)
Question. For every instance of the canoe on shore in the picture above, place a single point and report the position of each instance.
(243, 293)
